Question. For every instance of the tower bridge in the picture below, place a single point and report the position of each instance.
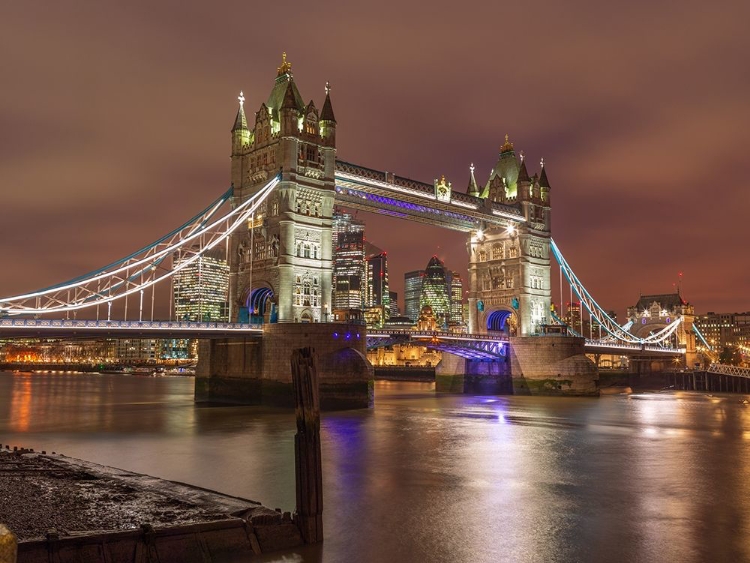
(285, 181)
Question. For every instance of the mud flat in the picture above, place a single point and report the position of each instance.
(65, 509)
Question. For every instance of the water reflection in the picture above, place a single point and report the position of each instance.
(659, 477)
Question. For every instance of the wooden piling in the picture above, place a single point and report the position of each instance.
(307, 462)
(8, 546)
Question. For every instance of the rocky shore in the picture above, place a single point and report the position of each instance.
(52, 502)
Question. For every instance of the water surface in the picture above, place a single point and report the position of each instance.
(653, 477)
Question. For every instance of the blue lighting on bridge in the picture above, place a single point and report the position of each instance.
(496, 321)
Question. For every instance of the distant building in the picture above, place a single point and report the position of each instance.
(457, 299)
(435, 291)
(200, 286)
(725, 329)
(573, 316)
(395, 310)
(349, 268)
(378, 294)
(413, 294)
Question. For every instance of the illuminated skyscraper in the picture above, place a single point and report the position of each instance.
(412, 293)
(395, 311)
(200, 288)
(378, 295)
(348, 262)
(435, 291)
(457, 298)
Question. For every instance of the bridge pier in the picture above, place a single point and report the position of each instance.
(475, 377)
(257, 371)
(536, 365)
(552, 365)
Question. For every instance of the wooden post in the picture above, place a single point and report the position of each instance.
(307, 464)
(8, 545)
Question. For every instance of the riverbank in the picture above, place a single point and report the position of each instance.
(92, 512)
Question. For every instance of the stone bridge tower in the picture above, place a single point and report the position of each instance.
(281, 264)
(509, 268)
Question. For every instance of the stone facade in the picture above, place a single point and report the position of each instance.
(509, 267)
(287, 246)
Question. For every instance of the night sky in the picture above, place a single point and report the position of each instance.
(114, 125)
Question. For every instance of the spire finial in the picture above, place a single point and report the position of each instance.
(328, 87)
(542, 162)
(241, 98)
(472, 168)
(285, 67)
(507, 146)
(522, 155)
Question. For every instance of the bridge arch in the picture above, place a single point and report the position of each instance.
(501, 319)
(258, 304)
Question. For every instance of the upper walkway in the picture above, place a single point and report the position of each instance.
(363, 188)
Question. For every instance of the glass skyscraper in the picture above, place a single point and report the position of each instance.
(436, 291)
(349, 270)
(200, 288)
(412, 293)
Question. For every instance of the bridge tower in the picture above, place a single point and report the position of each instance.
(281, 265)
(509, 268)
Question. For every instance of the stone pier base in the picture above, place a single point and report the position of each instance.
(257, 371)
(552, 365)
(458, 375)
(540, 365)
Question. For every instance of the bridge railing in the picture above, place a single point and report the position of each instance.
(165, 325)
(383, 333)
(724, 369)
(627, 346)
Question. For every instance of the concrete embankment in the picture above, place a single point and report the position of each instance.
(64, 509)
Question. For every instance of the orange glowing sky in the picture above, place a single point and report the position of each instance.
(114, 125)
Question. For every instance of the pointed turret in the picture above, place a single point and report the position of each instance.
(523, 174)
(543, 182)
(327, 113)
(473, 189)
(327, 119)
(240, 131)
(240, 122)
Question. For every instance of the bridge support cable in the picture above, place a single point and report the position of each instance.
(144, 268)
(601, 316)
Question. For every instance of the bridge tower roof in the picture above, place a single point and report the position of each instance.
(278, 96)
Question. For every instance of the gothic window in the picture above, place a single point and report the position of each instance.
(486, 284)
(315, 251)
(306, 249)
(482, 256)
(509, 282)
(315, 280)
(311, 154)
(306, 292)
(513, 252)
(497, 252)
(275, 208)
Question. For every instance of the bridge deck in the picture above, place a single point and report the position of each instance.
(68, 328)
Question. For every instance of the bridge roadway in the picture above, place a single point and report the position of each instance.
(69, 328)
(470, 346)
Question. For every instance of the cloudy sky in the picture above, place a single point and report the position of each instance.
(114, 124)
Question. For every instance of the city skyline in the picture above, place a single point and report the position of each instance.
(108, 147)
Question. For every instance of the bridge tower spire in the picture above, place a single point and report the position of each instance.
(281, 265)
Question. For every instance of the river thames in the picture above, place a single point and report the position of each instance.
(648, 477)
